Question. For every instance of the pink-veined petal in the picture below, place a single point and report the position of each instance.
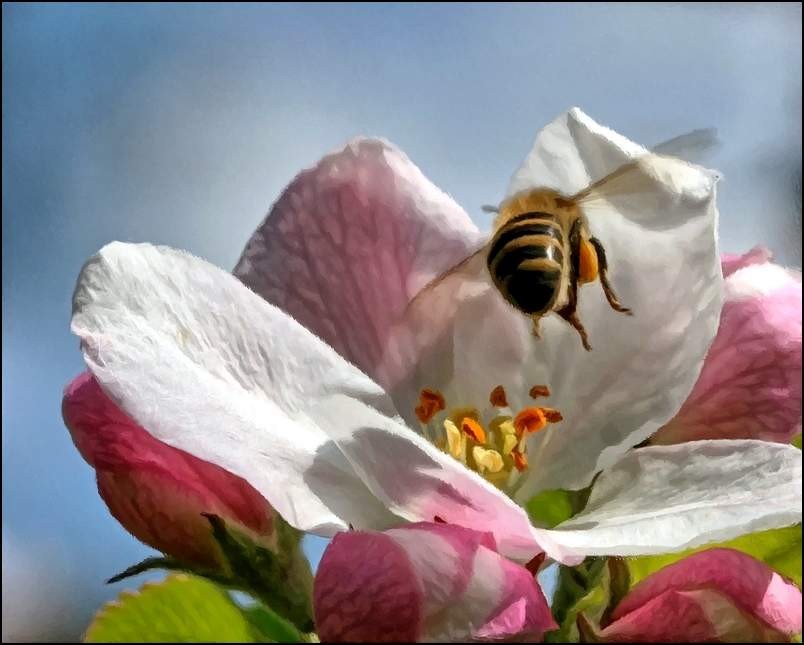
(750, 385)
(731, 262)
(749, 583)
(349, 242)
(157, 492)
(425, 582)
(689, 616)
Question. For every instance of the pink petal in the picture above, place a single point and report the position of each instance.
(435, 582)
(698, 616)
(155, 491)
(731, 262)
(749, 584)
(750, 384)
(348, 244)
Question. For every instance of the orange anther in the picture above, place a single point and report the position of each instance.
(473, 429)
(431, 402)
(530, 420)
(552, 415)
(498, 398)
(539, 390)
(520, 460)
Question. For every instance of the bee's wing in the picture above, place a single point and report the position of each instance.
(469, 270)
(692, 146)
(637, 177)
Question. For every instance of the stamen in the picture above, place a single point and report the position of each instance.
(431, 402)
(457, 415)
(552, 415)
(495, 448)
(530, 420)
(473, 429)
(498, 398)
(490, 460)
(456, 442)
(509, 443)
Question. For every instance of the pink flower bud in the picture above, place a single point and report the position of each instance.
(432, 582)
(718, 595)
(157, 492)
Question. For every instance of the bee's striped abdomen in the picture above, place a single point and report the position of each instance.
(526, 259)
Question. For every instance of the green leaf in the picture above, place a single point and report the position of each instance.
(180, 609)
(797, 441)
(780, 549)
(270, 627)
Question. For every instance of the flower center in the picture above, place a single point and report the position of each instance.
(496, 449)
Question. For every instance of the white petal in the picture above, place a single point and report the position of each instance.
(668, 498)
(570, 153)
(208, 366)
(419, 482)
(664, 264)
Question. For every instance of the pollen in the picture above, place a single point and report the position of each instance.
(498, 398)
(588, 268)
(431, 402)
(494, 448)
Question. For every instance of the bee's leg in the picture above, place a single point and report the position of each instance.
(568, 312)
(604, 278)
(572, 319)
(536, 318)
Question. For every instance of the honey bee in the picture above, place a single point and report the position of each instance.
(542, 246)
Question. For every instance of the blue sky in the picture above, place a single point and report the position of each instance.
(181, 124)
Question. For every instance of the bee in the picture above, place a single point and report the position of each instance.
(542, 246)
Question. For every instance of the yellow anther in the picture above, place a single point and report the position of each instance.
(473, 429)
(498, 398)
(487, 460)
(505, 425)
(456, 442)
(509, 443)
